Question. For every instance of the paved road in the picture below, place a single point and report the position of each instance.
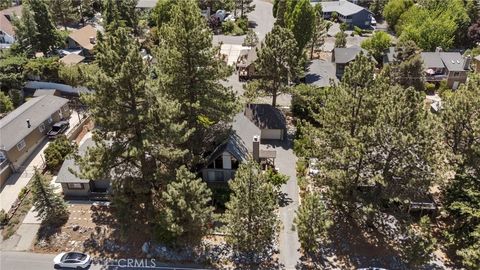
(261, 18)
(30, 261)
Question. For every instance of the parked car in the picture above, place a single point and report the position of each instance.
(220, 14)
(373, 22)
(74, 260)
(57, 129)
(229, 17)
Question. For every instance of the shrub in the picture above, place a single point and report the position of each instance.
(429, 87)
(228, 27)
(57, 151)
(22, 193)
(242, 23)
(3, 217)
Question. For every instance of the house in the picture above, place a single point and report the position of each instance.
(321, 73)
(23, 129)
(246, 63)
(73, 186)
(43, 92)
(268, 119)
(146, 4)
(83, 39)
(451, 67)
(476, 63)
(71, 59)
(348, 12)
(243, 142)
(7, 31)
(343, 56)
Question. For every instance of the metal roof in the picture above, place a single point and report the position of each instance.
(13, 127)
(65, 174)
(341, 7)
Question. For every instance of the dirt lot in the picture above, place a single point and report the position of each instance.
(90, 228)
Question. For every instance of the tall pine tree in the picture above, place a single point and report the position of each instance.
(50, 206)
(191, 72)
(47, 38)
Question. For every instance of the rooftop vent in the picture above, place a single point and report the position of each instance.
(92, 40)
(28, 123)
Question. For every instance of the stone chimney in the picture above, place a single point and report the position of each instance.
(467, 62)
(256, 148)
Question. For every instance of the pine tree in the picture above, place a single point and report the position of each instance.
(137, 144)
(250, 216)
(245, 6)
(340, 40)
(120, 14)
(64, 12)
(279, 12)
(312, 223)
(50, 206)
(251, 39)
(6, 103)
(320, 29)
(187, 214)
(190, 71)
(420, 244)
(25, 31)
(277, 63)
(302, 22)
(47, 38)
(408, 70)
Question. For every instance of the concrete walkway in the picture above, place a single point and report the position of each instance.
(25, 235)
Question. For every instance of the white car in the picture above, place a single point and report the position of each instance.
(229, 17)
(75, 260)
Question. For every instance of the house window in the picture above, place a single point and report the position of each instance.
(235, 163)
(75, 186)
(219, 163)
(21, 145)
(41, 127)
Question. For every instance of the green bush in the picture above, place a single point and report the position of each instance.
(22, 193)
(3, 217)
(57, 151)
(301, 167)
(429, 87)
(242, 23)
(228, 27)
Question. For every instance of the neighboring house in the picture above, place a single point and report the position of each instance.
(476, 63)
(74, 186)
(246, 63)
(243, 142)
(83, 39)
(268, 119)
(451, 67)
(7, 31)
(71, 59)
(23, 129)
(342, 58)
(146, 4)
(348, 12)
(320, 73)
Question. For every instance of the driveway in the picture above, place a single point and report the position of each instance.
(261, 19)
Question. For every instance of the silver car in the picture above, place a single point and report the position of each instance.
(75, 260)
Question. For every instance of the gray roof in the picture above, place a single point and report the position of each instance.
(342, 7)
(453, 61)
(65, 174)
(346, 55)
(43, 92)
(320, 72)
(265, 116)
(146, 3)
(13, 127)
(239, 144)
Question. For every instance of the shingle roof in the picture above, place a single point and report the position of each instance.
(72, 59)
(320, 72)
(13, 127)
(342, 7)
(65, 174)
(453, 61)
(346, 55)
(6, 23)
(265, 116)
(82, 36)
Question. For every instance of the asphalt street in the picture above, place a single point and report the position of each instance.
(11, 260)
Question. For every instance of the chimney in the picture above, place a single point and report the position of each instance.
(467, 62)
(256, 148)
(92, 40)
(28, 123)
(438, 49)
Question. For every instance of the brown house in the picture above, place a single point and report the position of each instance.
(83, 39)
(451, 67)
(246, 63)
(23, 129)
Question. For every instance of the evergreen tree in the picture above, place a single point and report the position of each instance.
(312, 223)
(5, 4)
(245, 6)
(319, 32)
(12, 74)
(340, 40)
(50, 206)
(250, 216)
(57, 151)
(279, 12)
(190, 71)
(64, 12)
(25, 31)
(377, 44)
(251, 39)
(46, 38)
(302, 22)
(137, 144)
(420, 244)
(187, 214)
(161, 13)
(6, 103)
(407, 69)
(277, 63)
(119, 14)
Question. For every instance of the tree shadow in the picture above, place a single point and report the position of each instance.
(50, 228)
(265, 261)
(283, 199)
